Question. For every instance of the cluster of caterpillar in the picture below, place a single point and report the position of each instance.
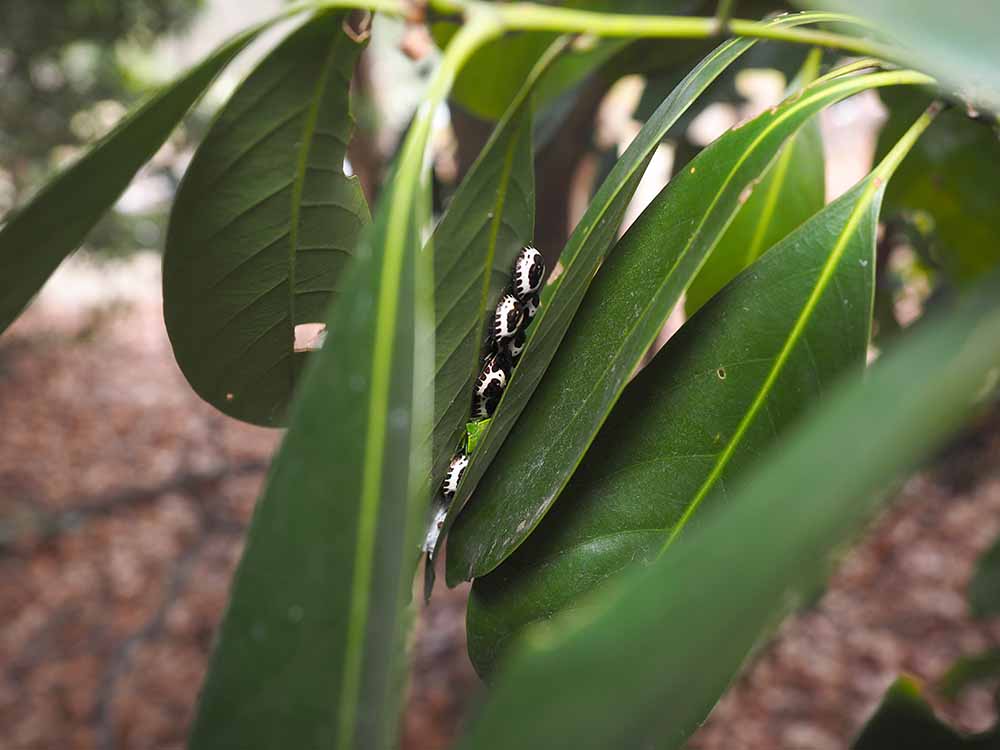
(506, 339)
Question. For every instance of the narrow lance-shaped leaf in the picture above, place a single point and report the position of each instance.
(36, 239)
(311, 645)
(623, 313)
(792, 190)
(263, 225)
(587, 246)
(742, 370)
(905, 720)
(643, 664)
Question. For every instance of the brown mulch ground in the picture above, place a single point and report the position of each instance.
(123, 502)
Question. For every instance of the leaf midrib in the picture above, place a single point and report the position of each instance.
(301, 168)
(801, 322)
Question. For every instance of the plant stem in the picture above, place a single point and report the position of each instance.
(532, 17)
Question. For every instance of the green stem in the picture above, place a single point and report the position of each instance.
(532, 17)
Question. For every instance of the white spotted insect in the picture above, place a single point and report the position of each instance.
(507, 319)
(490, 384)
(456, 468)
(529, 273)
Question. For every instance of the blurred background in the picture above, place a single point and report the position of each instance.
(124, 498)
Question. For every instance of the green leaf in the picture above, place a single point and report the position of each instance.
(792, 190)
(951, 176)
(969, 670)
(585, 251)
(905, 720)
(956, 43)
(642, 663)
(263, 225)
(311, 647)
(734, 378)
(626, 307)
(984, 590)
(36, 239)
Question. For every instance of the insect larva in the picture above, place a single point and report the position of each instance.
(458, 464)
(490, 384)
(529, 272)
(507, 318)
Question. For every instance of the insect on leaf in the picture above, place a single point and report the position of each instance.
(626, 307)
(606, 674)
(264, 223)
(583, 254)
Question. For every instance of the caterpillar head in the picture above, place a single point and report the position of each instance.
(490, 384)
(529, 272)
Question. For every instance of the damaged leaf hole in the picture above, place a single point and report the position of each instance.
(721, 372)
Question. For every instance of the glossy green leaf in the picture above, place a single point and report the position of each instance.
(969, 670)
(957, 42)
(951, 177)
(626, 307)
(311, 646)
(36, 239)
(642, 663)
(984, 590)
(735, 377)
(263, 225)
(585, 251)
(792, 190)
(905, 720)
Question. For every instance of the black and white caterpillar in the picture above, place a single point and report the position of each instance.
(506, 338)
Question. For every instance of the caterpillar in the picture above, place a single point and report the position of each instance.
(506, 339)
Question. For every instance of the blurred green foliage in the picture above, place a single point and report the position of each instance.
(65, 84)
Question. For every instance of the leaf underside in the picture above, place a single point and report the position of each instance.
(264, 223)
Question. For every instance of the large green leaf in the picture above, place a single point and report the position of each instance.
(623, 312)
(644, 662)
(586, 249)
(905, 720)
(984, 590)
(952, 177)
(311, 646)
(792, 190)
(712, 401)
(35, 240)
(969, 670)
(263, 225)
(956, 42)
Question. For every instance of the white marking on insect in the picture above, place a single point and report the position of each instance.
(455, 470)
